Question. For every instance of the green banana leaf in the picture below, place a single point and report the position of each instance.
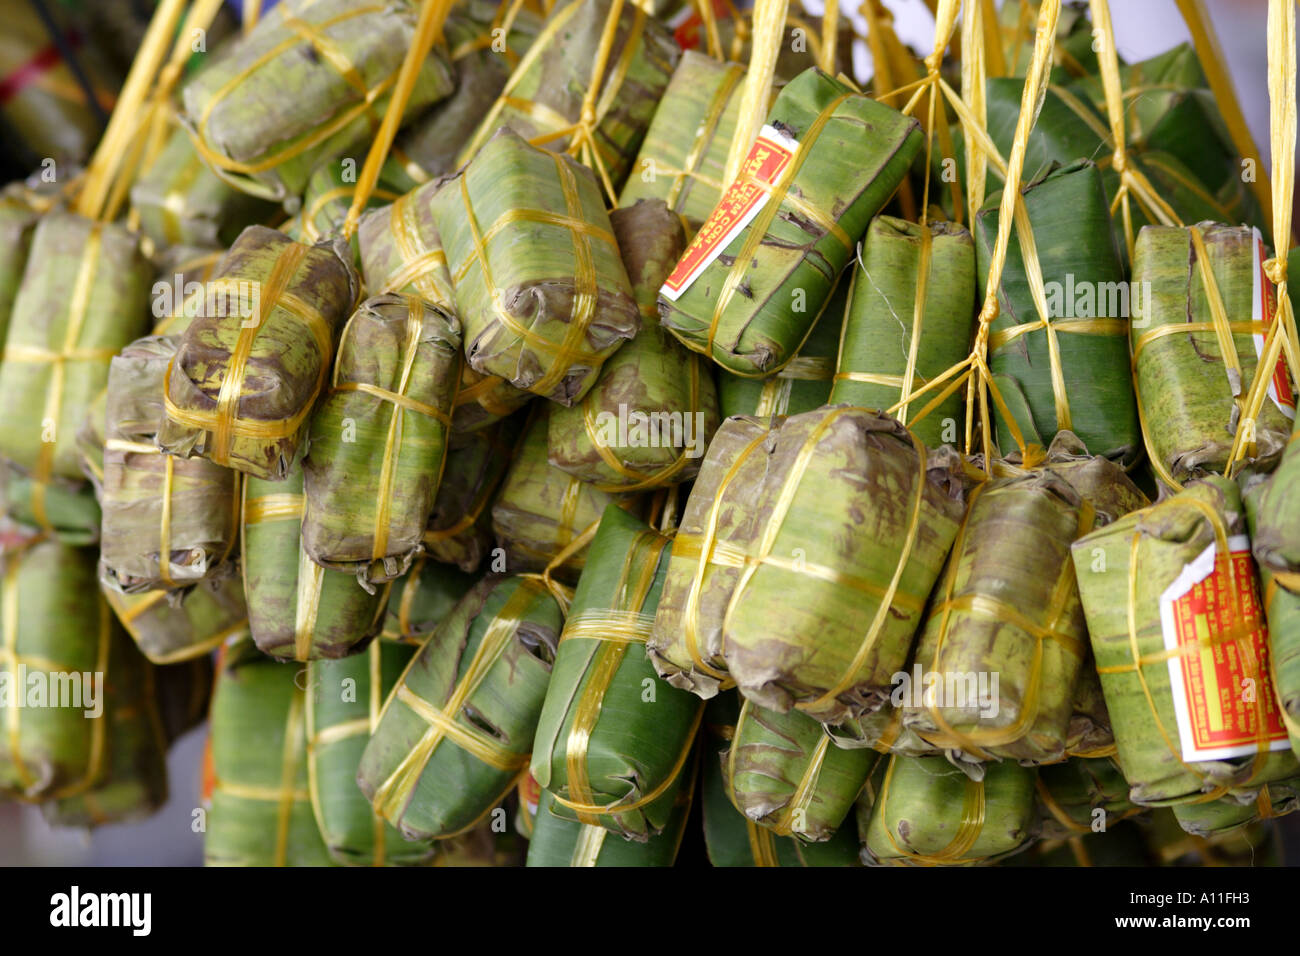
(540, 288)
(1239, 809)
(1073, 55)
(540, 510)
(545, 97)
(1124, 570)
(1188, 394)
(1120, 845)
(1097, 479)
(856, 519)
(558, 841)
(613, 740)
(1070, 219)
(179, 200)
(650, 415)
(379, 439)
(260, 810)
(17, 221)
(344, 699)
(168, 522)
(181, 268)
(421, 599)
(401, 251)
(84, 295)
(69, 510)
(132, 783)
(456, 731)
(57, 645)
(895, 323)
(806, 381)
(731, 838)
(460, 526)
(269, 323)
(174, 626)
(297, 609)
(789, 254)
(929, 813)
(330, 190)
(1004, 637)
(1255, 844)
(708, 557)
(1082, 796)
(1089, 734)
(685, 149)
(341, 60)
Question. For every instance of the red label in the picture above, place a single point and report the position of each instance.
(690, 31)
(771, 154)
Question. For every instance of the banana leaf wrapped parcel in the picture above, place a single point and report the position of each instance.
(559, 841)
(1197, 343)
(68, 509)
(331, 188)
(703, 100)
(927, 812)
(340, 58)
(1088, 305)
(84, 295)
(420, 600)
(378, 440)
(826, 162)
(57, 644)
(260, 813)
(1004, 633)
(540, 288)
(17, 221)
(588, 84)
(909, 320)
(133, 778)
(168, 522)
(1174, 616)
(1236, 810)
(297, 609)
(344, 700)
(540, 510)
(613, 741)
(178, 289)
(650, 415)
(1082, 796)
(1090, 734)
(249, 369)
(708, 558)
(173, 626)
(457, 729)
(460, 525)
(856, 518)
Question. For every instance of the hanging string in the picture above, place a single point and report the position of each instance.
(769, 31)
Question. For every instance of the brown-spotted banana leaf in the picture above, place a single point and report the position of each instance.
(57, 644)
(929, 813)
(1088, 304)
(1097, 479)
(420, 600)
(1090, 734)
(260, 813)
(344, 699)
(250, 368)
(341, 60)
(732, 839)
(540, 510)
(168, 522)
(547, 98)
(460, 525)
(708, 557)
(173, 626)
(1158, 593)
(684, 152)
(909, 320)
(379, 438)
(557, 841)
(540, 288)
(297, 609)
(457, 730)
(857, 518)
(133, 779)
(1190, 384)
(613, 740)
(1004, 636)
(178, 285)
(650, 415)
(84, 295)
(829, 176)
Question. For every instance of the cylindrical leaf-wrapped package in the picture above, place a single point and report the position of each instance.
(250, 368)
(826, 162)
(540, 288)
(173, 626)
(460, 526)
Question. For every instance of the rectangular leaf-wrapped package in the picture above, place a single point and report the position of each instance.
(379, 438)
(558, 841)
(540, 288)
(421, 599)
(460, 526)
(173, 626)
(826, 162)
(249, 369)
(856, 518)
(339, 58)
(168, 522)
(458, 728)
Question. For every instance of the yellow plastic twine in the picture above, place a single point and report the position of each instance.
(769, 31)
(1281, 334)
(969, 827)
(781, 820)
